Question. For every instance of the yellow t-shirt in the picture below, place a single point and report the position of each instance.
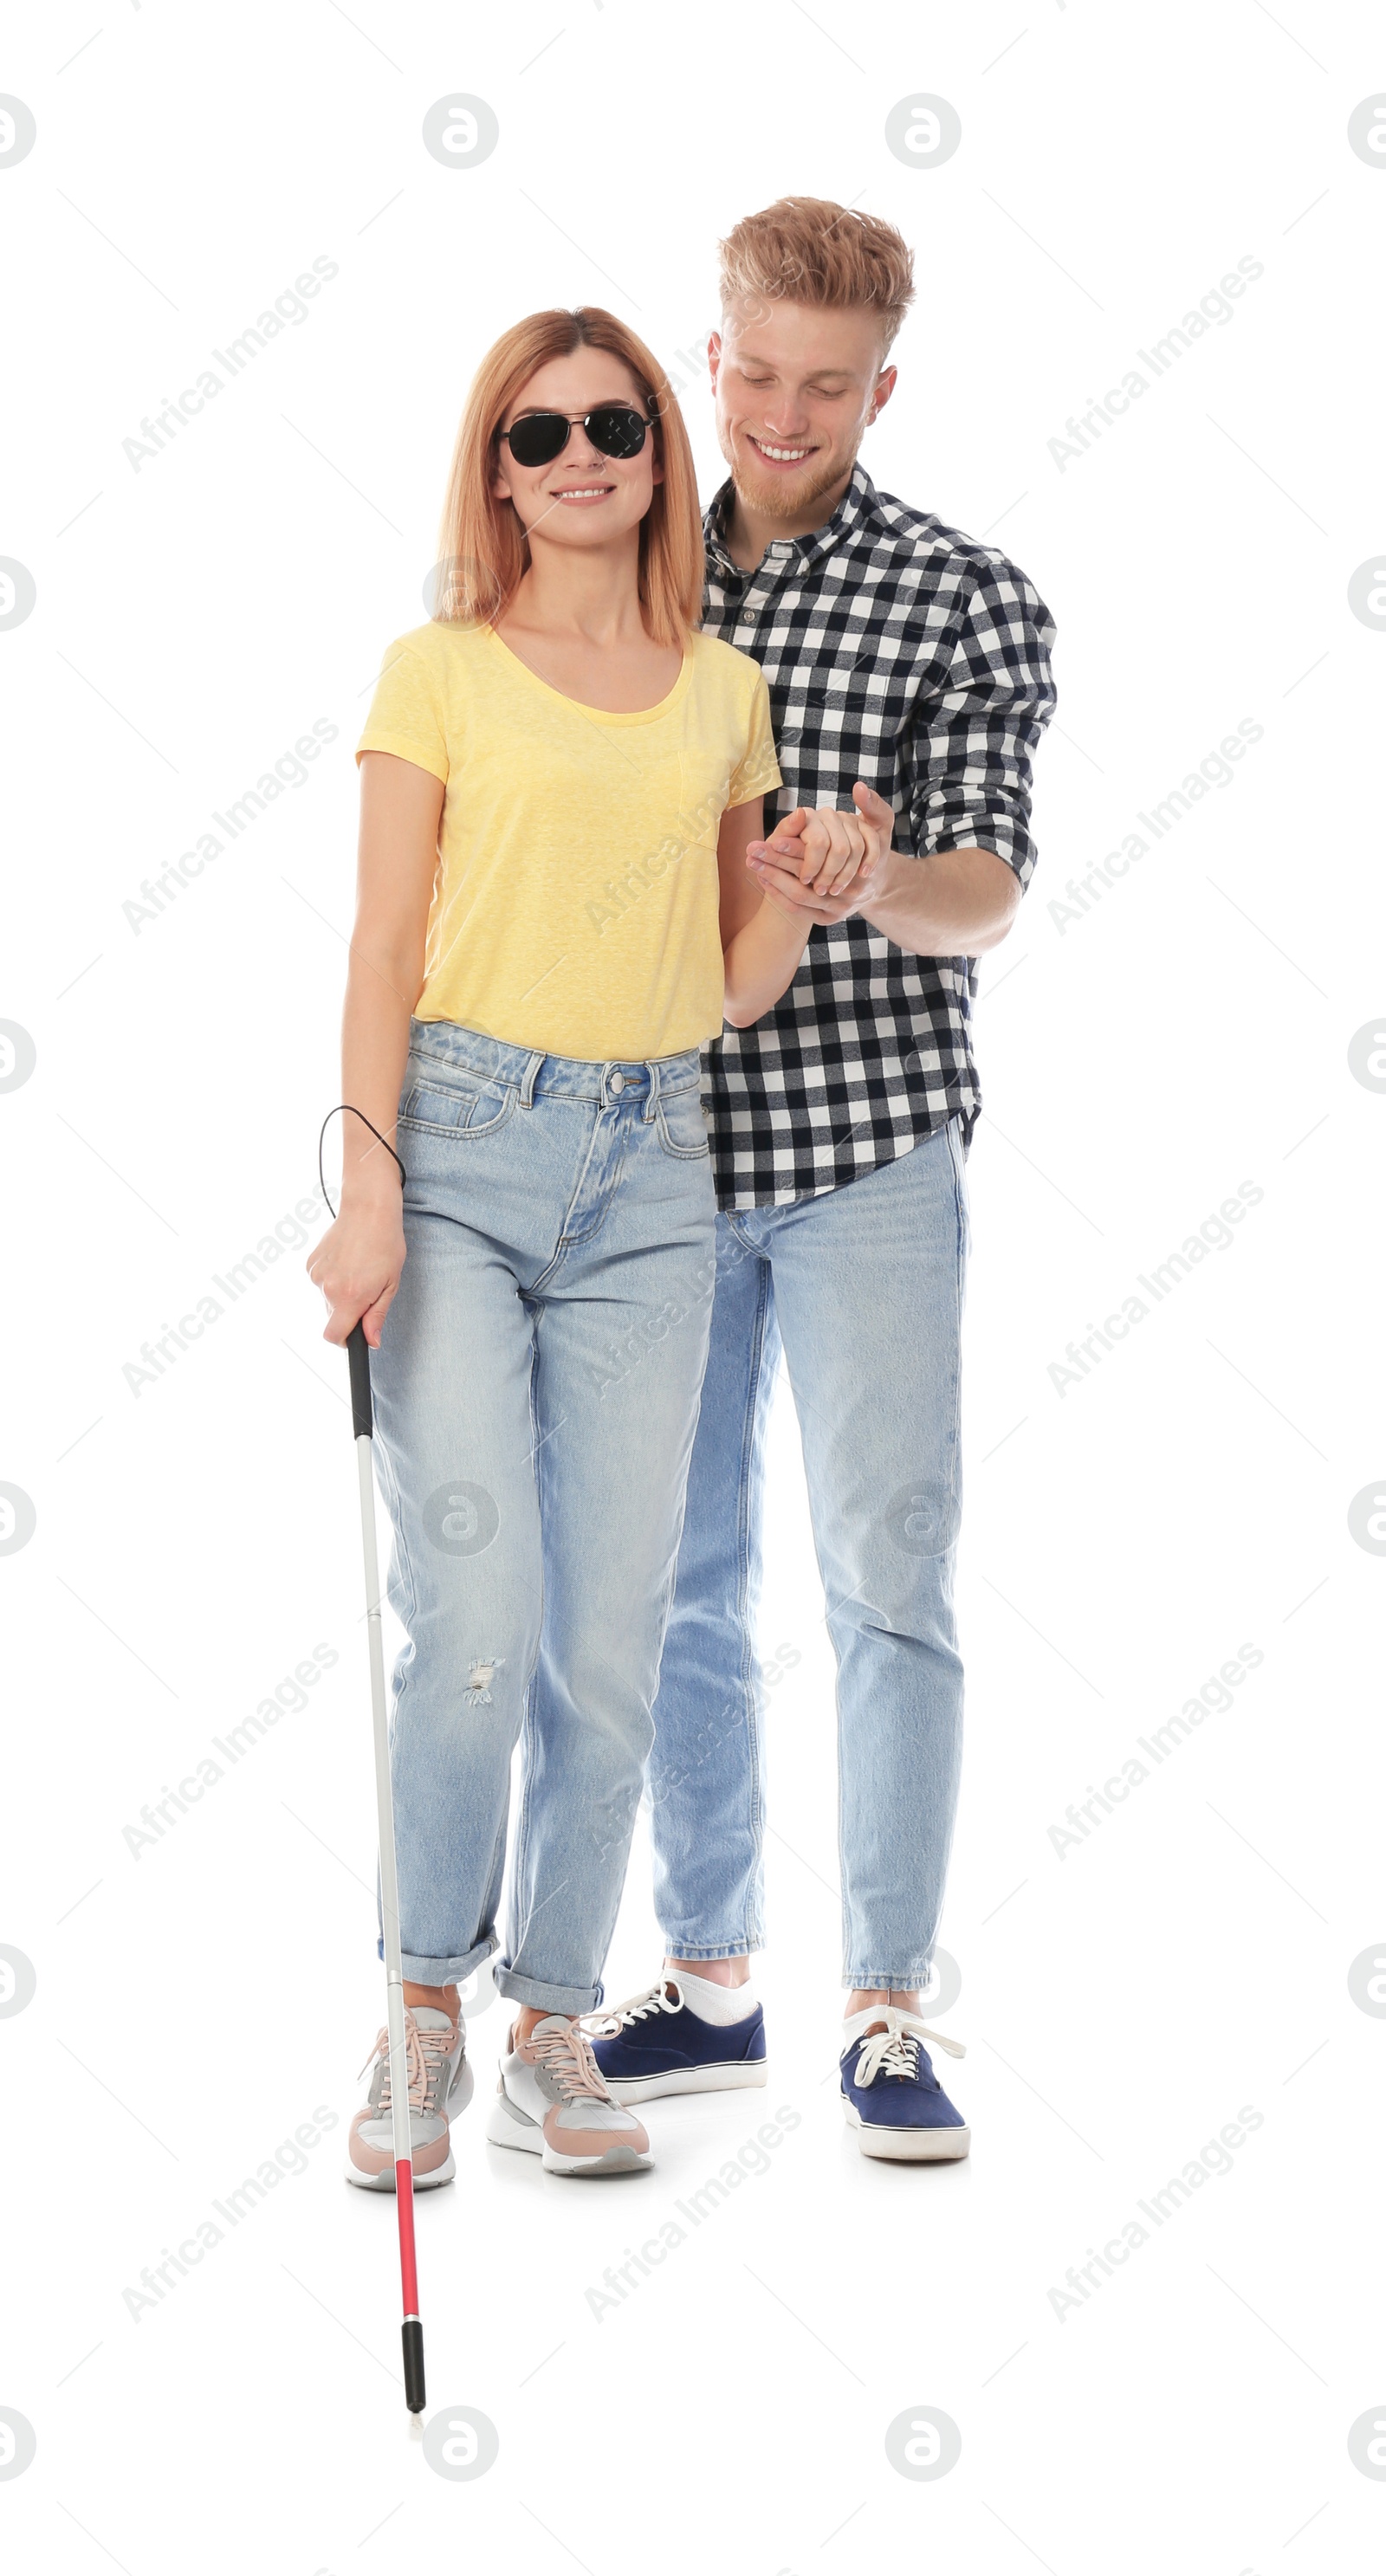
(575, 906)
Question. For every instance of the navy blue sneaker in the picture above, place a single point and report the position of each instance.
(890, 2093)
(657, 2044)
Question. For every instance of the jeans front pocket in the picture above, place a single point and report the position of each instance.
(682, 1125)
(455, 1104)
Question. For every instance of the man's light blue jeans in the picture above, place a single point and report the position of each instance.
(536, 1389)
(863, 1290)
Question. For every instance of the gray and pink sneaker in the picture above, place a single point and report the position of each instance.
(553, 2100)
(440, 2081)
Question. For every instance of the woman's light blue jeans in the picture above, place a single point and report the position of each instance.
(536, 1392)
(863, 1289)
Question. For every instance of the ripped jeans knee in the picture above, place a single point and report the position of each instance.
(480, 1676)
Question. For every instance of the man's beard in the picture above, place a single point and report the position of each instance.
(784, 496)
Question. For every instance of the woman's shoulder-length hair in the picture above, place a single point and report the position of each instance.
(483, 548)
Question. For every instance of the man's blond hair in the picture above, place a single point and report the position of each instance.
(806, 250)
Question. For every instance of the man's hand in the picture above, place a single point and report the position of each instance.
(822, 861)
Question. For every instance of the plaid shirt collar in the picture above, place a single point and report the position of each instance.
(855, 510)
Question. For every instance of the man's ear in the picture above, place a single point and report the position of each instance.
(714, 355)
(884, 388)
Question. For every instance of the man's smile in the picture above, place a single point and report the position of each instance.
(778, 454)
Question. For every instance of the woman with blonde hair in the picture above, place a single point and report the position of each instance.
(561, 789)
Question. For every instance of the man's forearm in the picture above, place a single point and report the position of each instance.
(954, 903)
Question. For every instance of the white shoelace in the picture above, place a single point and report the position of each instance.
(606, 2024)
(894, 2050)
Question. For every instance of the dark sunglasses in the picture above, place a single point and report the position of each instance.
(614, 429)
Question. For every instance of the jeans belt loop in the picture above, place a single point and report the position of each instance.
(652, 1096)
(531, 1076)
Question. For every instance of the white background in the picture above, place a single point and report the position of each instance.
(197, 1538)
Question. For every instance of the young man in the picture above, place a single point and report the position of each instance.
(909, 678)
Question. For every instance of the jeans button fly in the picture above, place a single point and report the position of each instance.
(618, 1083)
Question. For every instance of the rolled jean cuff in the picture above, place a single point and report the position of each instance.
(444, 1972)
(519, 1989)
(674, 1949)
(866, 1981)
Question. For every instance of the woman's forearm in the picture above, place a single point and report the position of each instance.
(761, 960)
(375, 1044)
(358, 1263)
(401, 807)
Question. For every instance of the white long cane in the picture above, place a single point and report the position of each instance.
(358, 1352)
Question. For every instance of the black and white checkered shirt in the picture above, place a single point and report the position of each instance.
(897, 651)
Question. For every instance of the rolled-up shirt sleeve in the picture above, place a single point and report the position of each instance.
(966, 761)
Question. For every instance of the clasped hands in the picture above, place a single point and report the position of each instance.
(824, 862)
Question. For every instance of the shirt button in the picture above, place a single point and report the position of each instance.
(617, 1083)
